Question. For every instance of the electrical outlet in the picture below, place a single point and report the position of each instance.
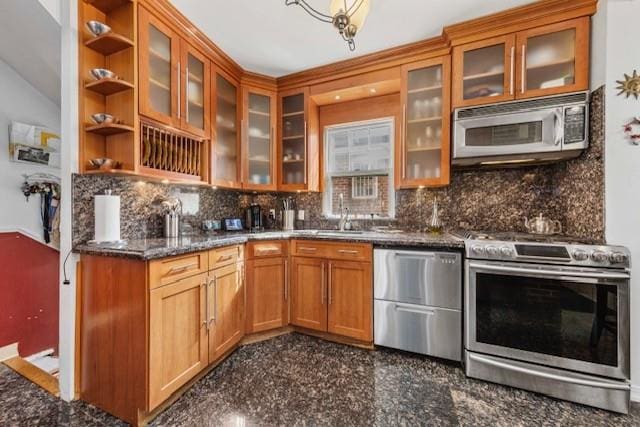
(272, 213)
(301, 215)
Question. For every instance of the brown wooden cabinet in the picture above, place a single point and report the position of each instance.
(423, 153)
(330, 292)
(298, 141)
(267, 272)
(546, 60)
(308, 293)
(174, 78)
(553, 59)
(258, 139)
(177, 336)
(225, 309)
(225, 137)
(350, 297)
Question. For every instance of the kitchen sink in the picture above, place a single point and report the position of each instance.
(340, 233)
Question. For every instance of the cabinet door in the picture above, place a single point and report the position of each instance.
(308, 293)
(553, 59)
(267, 294)
(259, 147)
(195, 90)
(226, 309)
(424, 152)
(293, 143)
(177, 336)
(483, 72)
(350, 299)
(225, 162)
(159, 59)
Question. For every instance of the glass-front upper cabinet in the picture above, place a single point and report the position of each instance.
(173, 76)
(292, 146)
(195, 91)
(538, 62)
(553, 59)
(225, 165)
(484, 71)
(158, 69)
(424, 151)
(259, 148)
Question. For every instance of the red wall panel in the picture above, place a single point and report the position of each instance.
(29, 300)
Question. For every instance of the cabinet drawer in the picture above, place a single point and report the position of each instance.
(333, 250)
(426, 330)
(169, 270)
(418, 277)
(275, 248)
(225, 256)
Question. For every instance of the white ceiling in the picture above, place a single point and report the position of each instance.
(268, 37)
(30, 44)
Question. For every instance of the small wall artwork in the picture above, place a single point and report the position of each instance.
(630, 86)
(632, 131)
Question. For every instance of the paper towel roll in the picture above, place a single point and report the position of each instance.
(107, 218)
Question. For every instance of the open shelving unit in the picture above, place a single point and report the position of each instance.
(115, 51)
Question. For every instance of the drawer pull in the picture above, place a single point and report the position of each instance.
(225, 258)
(303, 249)
(348, 252)
(413, 309)
(267, 251)
(182, 268)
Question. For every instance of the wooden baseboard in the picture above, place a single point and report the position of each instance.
(35, 375)
(266, 335)
(335, 338)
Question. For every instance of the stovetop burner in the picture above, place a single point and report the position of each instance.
(528, 237)
(556, 249)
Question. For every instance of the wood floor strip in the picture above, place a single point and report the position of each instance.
(34, 374)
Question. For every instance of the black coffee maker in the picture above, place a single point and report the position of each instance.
(253, 220)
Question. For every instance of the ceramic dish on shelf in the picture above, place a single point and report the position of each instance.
(102, 118)
(102, 73)
(105, 163)
(98, 28)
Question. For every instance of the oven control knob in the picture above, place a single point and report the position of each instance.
(492, 251)
(599, 256)
(580, 255)
(477, 250)
(618, 258)
(506, 251)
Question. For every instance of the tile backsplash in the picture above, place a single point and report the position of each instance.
(497, 200)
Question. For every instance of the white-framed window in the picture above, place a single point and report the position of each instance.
(359, 169)
(364, 187)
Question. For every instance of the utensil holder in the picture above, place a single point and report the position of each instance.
(288, 220)
(171, 225)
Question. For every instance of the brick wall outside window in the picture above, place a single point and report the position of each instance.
(379, 206)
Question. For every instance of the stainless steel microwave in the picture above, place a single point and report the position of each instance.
(531, 131)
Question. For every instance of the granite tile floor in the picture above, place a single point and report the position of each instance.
(299, 380)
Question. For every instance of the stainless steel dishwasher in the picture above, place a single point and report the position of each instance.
(418, 302)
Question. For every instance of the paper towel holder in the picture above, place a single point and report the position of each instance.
(110, 242)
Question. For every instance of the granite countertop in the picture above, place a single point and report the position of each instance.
(146, 249)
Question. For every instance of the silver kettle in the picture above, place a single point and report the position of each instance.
(542, 225)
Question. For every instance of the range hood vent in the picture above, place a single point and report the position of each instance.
(510, 107)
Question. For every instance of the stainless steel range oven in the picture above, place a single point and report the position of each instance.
(550, 317)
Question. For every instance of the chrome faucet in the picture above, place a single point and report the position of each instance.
(344, 214)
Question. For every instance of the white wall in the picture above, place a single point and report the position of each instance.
(53, 7)
(616, 52)
(70, 130)
(22, 102)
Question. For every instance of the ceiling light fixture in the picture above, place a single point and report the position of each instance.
(347, 16)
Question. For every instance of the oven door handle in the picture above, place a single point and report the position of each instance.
(547, 375)
(556, 273)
